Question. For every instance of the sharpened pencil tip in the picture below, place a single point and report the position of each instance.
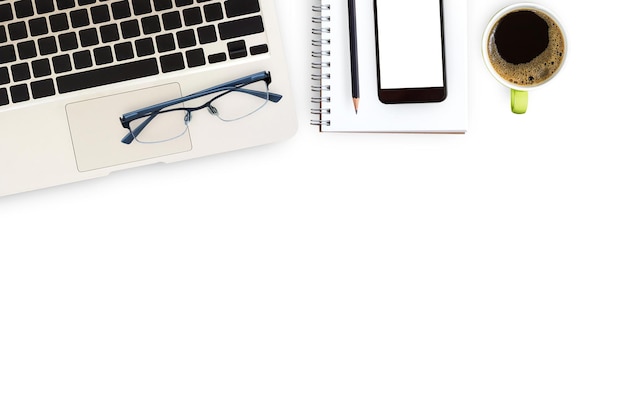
(355, 101)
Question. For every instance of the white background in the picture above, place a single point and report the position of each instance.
(338, 274)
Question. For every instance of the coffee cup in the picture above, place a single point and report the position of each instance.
(524, 47)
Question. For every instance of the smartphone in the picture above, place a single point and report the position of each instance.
(410, 54)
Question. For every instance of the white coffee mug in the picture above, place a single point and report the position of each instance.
(522, 77)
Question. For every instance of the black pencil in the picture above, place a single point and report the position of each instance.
(354, 54)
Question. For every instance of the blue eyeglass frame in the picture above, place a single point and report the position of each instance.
(153, 111)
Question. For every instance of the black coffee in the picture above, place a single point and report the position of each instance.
(526, 47)
(521, 36)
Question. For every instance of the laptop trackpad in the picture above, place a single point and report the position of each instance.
(97, 132)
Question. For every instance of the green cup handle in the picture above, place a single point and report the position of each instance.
(519, 101)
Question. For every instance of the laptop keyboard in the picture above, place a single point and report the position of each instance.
(50, 47)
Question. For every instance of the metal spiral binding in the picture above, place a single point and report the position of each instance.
(320, 65)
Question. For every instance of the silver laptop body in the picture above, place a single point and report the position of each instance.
(70, 69)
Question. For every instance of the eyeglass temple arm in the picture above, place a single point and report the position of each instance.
(273, 97)
(130, 136)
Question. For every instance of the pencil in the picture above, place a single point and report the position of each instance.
(354, 54)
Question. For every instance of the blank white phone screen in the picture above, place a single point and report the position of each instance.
(409, 43)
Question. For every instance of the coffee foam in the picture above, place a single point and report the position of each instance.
(541, 68)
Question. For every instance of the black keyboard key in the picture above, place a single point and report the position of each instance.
(107, 75)
(88, 37)
(68, 41)
(79, 18)
(121, 10)
(65, 4)
(58, 23)
(20, 72)
(162, 5)
(181, 3)
(4, 76)
(124, 51)
(47, 46)
(19, 93)
(41, 68)
(44, 6)
(165, 43)
(213, 12)
(171, 20)
(207, 34)
(237, 49)
(6, 12)
(42, 88)
(144, 47)
(172, 62)
(82, 59)
(61, 64)
(215, 58)
(23, 8)
(195, 58)
(186, 38)
(85, 2)
(38, 26)
(103, 55)
(242, 27)
(4, 97)
(3, 35)
(141, 7)
(26, 50)
(259, 49)
(236, 8)
(109, 33)
(17, 31)
(130, 29)
(192, 16)
(150, 24)
(100, 14)
(7, 54)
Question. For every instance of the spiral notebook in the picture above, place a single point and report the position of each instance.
(333, 109)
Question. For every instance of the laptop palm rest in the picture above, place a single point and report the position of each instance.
(97, 132)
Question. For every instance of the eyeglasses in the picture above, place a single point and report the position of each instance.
(234, 100)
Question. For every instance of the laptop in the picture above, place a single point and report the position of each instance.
(72, 71)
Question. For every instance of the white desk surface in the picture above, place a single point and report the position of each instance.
(338, 274)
